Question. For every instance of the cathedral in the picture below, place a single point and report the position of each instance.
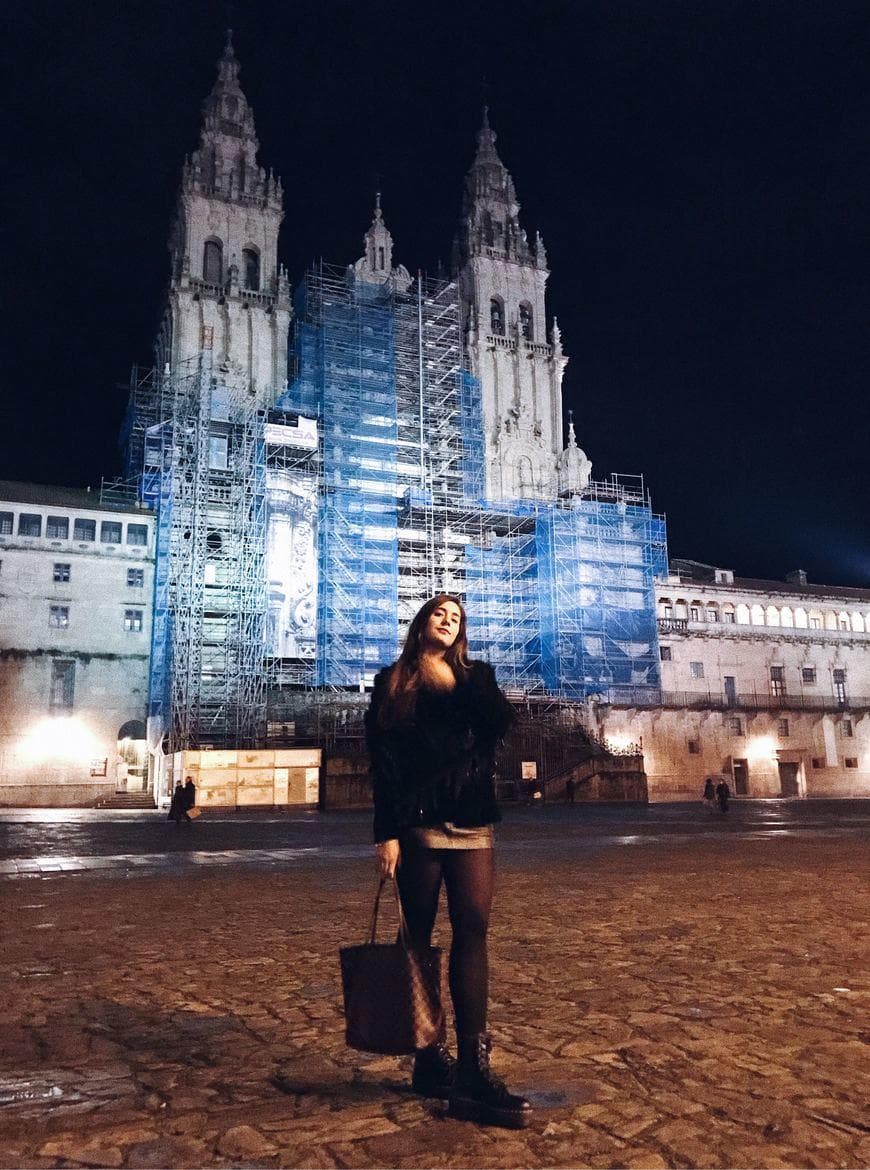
(322, 458)
(307, 461)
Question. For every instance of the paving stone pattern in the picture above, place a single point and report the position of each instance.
(699, 1006)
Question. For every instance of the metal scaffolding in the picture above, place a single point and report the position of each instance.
(294, 545)
(559, 593)
(203, 468)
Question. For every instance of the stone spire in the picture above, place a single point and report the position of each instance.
(225, 165)
(490, 209)
(376, 263)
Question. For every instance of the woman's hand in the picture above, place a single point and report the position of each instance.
(388, 857)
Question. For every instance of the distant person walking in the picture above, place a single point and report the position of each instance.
(709, 793)
(570, 790)
(189, 794)
(723, 794)
(178, 806)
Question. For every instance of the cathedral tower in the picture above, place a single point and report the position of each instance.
(502, 280)
(227, 293)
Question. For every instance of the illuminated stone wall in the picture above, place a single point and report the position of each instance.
(72, 673)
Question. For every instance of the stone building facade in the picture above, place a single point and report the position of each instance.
(766, 682)
(76, 585)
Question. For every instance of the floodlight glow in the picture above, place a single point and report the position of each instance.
(620, 742)
(761, 747)
(59, 739)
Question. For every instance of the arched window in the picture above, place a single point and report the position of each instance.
(666, 608)
(757, 615)
(681, 609)
(251, 266)
(742, 613)
(712, 611)
(381, 259)
(858, 623)
(496, 316)
(843, 620)
(786, 616)
(772, 616)
(830, 620)
(526, 322)
(213, 262)
(800, 618)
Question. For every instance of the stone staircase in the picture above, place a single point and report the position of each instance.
(127, 800)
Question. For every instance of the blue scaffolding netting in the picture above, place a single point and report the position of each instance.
(559, 593)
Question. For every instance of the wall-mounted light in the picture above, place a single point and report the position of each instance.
(761, 747)
(59, 739)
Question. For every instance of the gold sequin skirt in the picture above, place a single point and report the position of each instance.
(450, 836)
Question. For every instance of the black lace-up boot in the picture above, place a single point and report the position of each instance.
(434, 1072)
(479, 1095)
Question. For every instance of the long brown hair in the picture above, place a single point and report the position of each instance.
(404, 678)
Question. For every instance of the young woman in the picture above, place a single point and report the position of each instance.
(432, 728)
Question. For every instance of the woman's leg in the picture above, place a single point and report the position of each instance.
(477, 1093)
(468, 876)
(419, 879)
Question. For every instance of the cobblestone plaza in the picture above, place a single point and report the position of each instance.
(671, 988)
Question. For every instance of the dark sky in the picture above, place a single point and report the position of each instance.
(700, 173)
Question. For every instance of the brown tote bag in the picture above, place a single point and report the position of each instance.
(392, 993)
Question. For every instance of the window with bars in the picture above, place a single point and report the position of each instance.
(808, 675)
(85, 530)
(7, 521)
(696, 669)
(110, 532)
(58, 617)
(783, 728)
(735, 726)
(60, 573)
(135, 578)
(847, 729)
(57, 527)
(62, 689)
(29, 524)
(137, 534)
(665, 653)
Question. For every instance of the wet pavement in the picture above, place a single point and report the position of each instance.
(76, 841)
(671, 987)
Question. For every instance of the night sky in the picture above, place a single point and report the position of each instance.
(700, 173)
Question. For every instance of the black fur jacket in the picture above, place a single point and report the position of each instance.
(437, 766)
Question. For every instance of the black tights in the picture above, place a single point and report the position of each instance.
(468, 878)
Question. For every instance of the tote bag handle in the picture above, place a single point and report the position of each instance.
(404, 934)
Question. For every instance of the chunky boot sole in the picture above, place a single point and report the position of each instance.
(470, 1109)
